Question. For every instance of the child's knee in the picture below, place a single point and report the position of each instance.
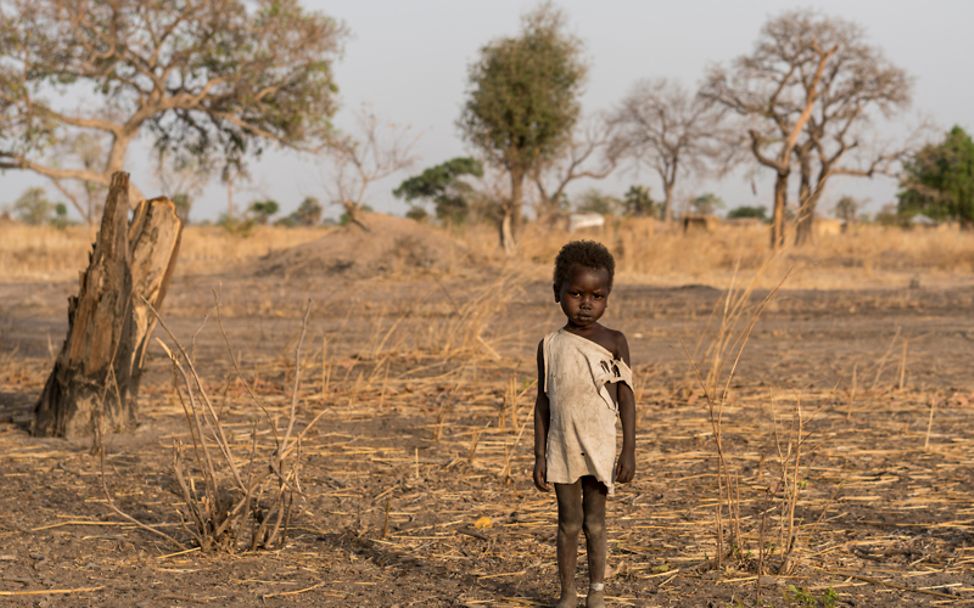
(570, 525)
(594, 525)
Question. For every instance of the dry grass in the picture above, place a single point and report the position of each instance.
(868, 256)
(417, 485)
(646, 251)
(45, 253)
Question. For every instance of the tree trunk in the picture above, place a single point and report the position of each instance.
(94, 383)
(805, 227)
(778, 214)
(507, 233)
(667, 203)
(806, 202)
(510, 226)
(517, 205)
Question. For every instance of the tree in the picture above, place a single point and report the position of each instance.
(669, 130)
(262, 211)
(211, 79)
(182, 178)
(308, 213)
(637, 201)
(60, 219)
(594, 201)
(183, 203)
(858, 85)
(846, 209)
(443, 184)
(359, 160)
(33, 207)
(938, 180)
(522, 104)
(707, 204)
(87, 152)
(774, 91)
(744, 211)
(593, 152)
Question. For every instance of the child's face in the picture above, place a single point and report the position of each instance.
(584, 295)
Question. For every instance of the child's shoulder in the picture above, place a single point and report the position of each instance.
(616, 338)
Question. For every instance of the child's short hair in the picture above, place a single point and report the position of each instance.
(585, 253)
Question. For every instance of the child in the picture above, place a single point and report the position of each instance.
(584, 379)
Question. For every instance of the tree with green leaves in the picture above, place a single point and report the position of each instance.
(213, 79)
(748, 212)
(33, 207)
(938, 180)
(262, 211)
(637, 201)
(596, 201)
(707, 204)
(444, 186)
(523, 103)
(308, 213)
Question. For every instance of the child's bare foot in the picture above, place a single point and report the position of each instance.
(568, 599)
(596, 596)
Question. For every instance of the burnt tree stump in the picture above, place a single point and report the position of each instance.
(95, 381)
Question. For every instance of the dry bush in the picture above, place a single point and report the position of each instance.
(714, 363)
(233, 500)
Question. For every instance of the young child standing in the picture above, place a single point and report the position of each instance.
(584, 381)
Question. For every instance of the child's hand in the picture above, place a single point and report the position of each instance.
(540, 469)
(626, 467)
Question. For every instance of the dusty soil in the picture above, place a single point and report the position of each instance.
(419, 441)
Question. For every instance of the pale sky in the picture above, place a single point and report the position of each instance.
(407, 60)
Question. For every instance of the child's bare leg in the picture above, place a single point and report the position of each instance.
(593, 505)
(569, 525)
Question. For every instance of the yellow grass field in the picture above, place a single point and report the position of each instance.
(647, 252)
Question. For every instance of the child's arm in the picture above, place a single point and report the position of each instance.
(541, 421)
(626, 467)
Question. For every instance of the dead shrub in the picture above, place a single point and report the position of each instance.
(235, 498)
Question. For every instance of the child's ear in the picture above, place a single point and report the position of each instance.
(554, 288)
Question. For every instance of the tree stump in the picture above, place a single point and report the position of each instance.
(95, 381)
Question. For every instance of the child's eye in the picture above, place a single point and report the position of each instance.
(598, 296)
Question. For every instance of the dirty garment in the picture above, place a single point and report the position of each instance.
(582, 427)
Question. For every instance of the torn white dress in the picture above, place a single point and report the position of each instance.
(582, 427)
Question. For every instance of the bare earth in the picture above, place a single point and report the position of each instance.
(418, 444)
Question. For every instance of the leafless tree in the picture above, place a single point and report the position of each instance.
(358, 160)
(215, 78)
(858, 85)
(774, 90)
(663, 126)
(593, 153)
(87, 151)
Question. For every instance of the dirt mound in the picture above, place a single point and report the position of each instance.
(391, 247)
